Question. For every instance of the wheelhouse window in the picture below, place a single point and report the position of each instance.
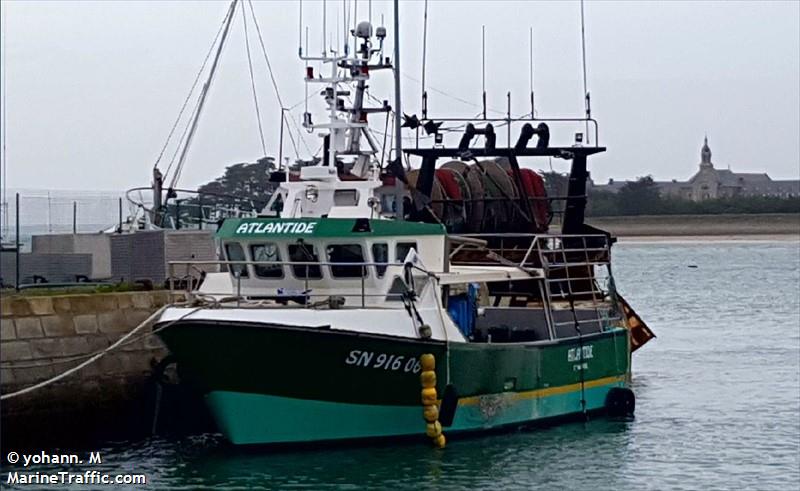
(401, 250)
(346, 253)
(266, 253)
(380, 254)
(304, 253)
(345, 197)
(235, 252)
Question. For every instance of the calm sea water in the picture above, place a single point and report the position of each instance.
(718, 401)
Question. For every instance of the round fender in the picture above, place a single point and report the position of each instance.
(620, 402)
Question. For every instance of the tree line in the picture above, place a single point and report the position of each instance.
(642, 197)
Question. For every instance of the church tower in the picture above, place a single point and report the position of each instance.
(705, 155)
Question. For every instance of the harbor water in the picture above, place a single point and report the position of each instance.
(718, 402)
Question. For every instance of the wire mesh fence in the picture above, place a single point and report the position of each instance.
(46, 212)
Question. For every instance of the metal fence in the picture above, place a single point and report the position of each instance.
(29, 213)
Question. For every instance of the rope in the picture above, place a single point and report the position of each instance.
(253, 82)
(455, 98)
(70, 359)
(269, 68)
(188, 96)
(583, 57)
(182, 138)
(300, 134)
(203, 94)
(99, 355)
(580, 350)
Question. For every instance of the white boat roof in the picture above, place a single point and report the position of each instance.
(486, 274)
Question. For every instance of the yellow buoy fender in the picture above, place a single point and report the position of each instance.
(434, 429)
(430, 413)
(428, 378)
(428, 396)
(427, 361)
(430, 410)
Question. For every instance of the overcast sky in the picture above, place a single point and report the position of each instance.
(93, 88)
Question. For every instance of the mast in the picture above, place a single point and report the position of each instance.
(398, 113)
(203, 95)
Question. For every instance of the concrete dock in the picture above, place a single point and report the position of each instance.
(43, 336)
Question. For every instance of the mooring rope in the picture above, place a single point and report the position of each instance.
(102, 353)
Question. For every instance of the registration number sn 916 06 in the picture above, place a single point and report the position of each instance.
(383, 361)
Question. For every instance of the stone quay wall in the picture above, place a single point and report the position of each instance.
(39, 338)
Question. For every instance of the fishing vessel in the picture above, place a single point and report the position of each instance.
(369, 300)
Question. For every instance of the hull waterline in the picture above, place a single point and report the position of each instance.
(279, 384)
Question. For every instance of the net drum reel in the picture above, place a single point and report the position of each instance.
(485, 190)
(482, 197)
(534, 190)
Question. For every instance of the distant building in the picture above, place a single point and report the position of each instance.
(711, 183)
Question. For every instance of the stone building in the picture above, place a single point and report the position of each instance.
(711, 183)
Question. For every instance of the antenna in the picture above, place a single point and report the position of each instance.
(585, 89)
(398, 111)
(424, 52)
(253, 82)
(345, 20)
(306, 84)
(533, 104)
(483, 67)
(300, 32)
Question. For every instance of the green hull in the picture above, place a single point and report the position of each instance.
(276, 384)
(262, 419)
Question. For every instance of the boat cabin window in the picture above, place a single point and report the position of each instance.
(345, 197)
(235, 252)
(302, 252)
(266, 253)
(380, 254)
(346, 253)
(401, 250)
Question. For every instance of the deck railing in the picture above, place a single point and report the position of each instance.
(570, 263)
(187, 281)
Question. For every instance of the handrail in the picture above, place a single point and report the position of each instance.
(238, 296)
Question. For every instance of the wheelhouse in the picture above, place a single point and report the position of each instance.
(326, 256)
